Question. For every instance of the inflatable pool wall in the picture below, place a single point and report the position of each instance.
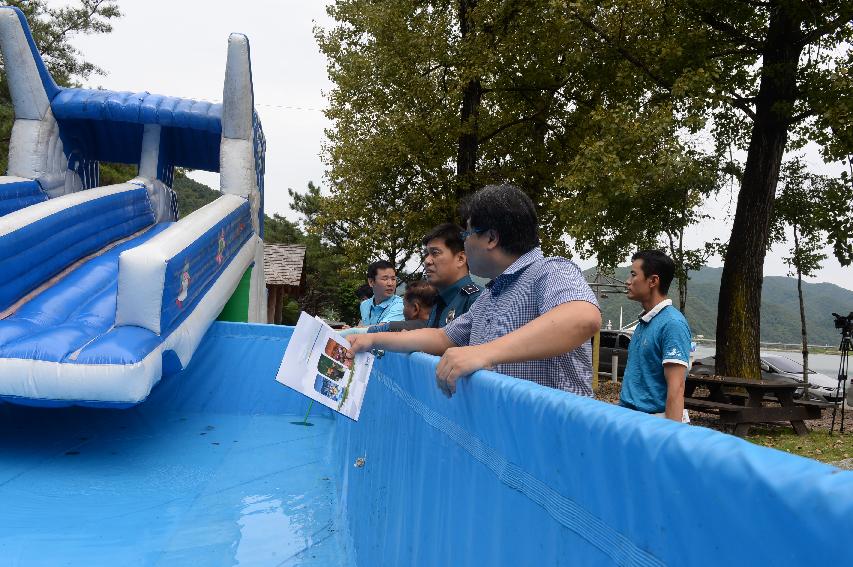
(216, 468)
(105, 290)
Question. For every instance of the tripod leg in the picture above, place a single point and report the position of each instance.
(842, 376)
(844, 348)
(834, 410)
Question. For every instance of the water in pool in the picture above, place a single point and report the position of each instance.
(138, 487)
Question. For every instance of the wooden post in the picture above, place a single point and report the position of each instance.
(596, 343)
(279, 304)
(614, 366)
(271, 304)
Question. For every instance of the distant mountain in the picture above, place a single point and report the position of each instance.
(780, 311)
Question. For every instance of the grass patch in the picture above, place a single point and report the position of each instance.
(817, 445)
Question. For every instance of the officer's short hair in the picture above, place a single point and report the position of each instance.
(657, 263)
(447, 233)
(422, 292)
(374, 268)
(506, 210)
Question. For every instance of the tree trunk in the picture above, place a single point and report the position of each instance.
(468, 145)
(681, 276)
(739, 307)
(802, 316)
(682, 273)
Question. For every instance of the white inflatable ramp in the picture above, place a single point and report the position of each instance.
(104, 289)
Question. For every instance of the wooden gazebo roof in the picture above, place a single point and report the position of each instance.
(284, 264)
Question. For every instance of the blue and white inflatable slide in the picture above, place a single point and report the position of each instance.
(102, 289)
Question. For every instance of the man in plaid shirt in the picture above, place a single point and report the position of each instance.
(533, 321)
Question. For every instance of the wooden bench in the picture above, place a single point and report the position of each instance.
(740, 416)
(814, 403)
(739, 411)
(709, 406)
(739, 400)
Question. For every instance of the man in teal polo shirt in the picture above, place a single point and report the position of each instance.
(659, 353)
(446, 267)
(385, 305)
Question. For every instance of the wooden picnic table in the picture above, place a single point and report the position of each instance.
(740, 412)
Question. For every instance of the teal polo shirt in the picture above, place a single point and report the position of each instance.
(454, 301)
(662, 336)
(389, 310)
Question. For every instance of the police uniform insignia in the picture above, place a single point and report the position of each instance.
(470, 289)
(451, 315)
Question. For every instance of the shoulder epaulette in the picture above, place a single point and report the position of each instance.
(470, 289)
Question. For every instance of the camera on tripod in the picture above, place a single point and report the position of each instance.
(844, 322)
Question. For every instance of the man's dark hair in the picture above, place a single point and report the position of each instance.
(447, 233)
(656, 263)
(506, 210)
(364, 292)
(421, 292)
(374, 268)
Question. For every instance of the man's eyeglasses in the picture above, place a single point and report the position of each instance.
(387, 279)
(466, 233)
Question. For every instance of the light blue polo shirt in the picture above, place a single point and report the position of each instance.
(662, 336)
(389, 310)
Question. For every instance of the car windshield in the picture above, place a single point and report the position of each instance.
(785, 364)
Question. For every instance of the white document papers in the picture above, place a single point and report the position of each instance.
(318, 364)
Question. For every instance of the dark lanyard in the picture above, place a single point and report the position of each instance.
(381, 313)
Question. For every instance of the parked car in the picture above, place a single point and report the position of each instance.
(613, 342)
(775, 366)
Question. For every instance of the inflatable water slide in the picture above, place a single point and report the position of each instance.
(103, 290)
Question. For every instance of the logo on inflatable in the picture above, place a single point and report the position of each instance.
(220, 246)
(185, 285)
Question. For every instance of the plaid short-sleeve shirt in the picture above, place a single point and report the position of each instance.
(530, 287)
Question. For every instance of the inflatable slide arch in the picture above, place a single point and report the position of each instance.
(103, 289)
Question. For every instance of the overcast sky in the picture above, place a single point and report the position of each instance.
(178, 48)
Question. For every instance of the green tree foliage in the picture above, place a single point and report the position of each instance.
(192, 195)
(331, 280)
(518, 91)
(278, 229)
(763, 77)
(588, 107)
(390, 152)
(503, 91)
(53, 30)
(805, 204)
(113, 173)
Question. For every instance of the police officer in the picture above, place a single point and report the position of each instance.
(446, 267)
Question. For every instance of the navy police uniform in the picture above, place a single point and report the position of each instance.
(453, 302)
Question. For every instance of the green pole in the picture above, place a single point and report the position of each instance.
(305, 420)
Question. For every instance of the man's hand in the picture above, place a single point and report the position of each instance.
(459, 361)
(360, 343)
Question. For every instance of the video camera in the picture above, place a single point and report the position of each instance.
(844, 322)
